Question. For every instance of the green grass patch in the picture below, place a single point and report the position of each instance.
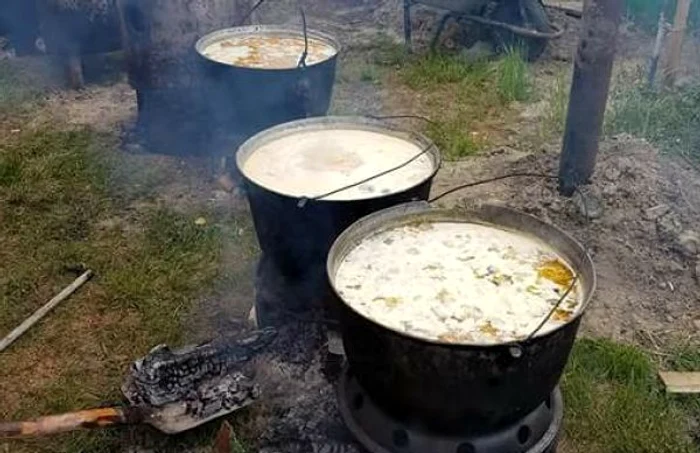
(669, 119)
(453, 139)
(58, 208)
(615, 404)
(370, 73)
(513, 76)
(434, 70)
(466, 98)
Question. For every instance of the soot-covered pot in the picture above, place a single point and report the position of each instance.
(251, 98)
(447, 386)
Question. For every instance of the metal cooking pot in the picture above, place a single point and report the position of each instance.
(449, 387)
(252, 99)
(297, 238)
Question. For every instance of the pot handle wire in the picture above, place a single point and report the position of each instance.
(250, 12)
(304, 200)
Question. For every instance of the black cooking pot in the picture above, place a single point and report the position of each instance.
(252, 99)
(451, 387)
(296, 236)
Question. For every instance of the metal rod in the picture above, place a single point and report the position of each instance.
(40, 313)
(589, 93)
(520, 31)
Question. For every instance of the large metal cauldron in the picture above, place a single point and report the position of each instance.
(252, 99)
(450, 387)
(297, 239)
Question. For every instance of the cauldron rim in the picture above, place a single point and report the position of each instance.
(208, 39)
(399, 214)
(359, 122)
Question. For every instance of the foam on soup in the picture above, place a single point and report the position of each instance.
(268, 52)
(310, 163)
(457, 282)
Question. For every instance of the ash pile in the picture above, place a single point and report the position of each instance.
(298, 410)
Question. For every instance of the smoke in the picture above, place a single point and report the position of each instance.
(20, 24)
(182, 109)
(64, 26)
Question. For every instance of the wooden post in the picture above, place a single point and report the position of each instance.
(589, 92)
(676, 42)
(658, 44)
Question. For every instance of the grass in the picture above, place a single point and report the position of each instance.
(12, 91)
(433, 70)
(23, 82)
(645, 13)
(467, 99)
(556, 101)
(615, 404)
(58, 207)
(513, 78)
(667, 118)
(453, 139)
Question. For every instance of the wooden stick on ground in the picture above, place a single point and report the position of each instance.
(40, 313)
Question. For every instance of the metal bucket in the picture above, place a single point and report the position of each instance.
(446, 386)
(249, 100)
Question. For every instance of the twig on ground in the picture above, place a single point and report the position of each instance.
(40, 313)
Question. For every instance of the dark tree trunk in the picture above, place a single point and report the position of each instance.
(589, 93)
(163, 66)
(73, 29)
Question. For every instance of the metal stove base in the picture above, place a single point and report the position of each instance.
(379, 433)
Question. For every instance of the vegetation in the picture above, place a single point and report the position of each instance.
(513, 77)
(615, 404)
(645, 13)
(667, 118)
(556, 106)
(477, 92)
(60, 205)
(14, 92)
